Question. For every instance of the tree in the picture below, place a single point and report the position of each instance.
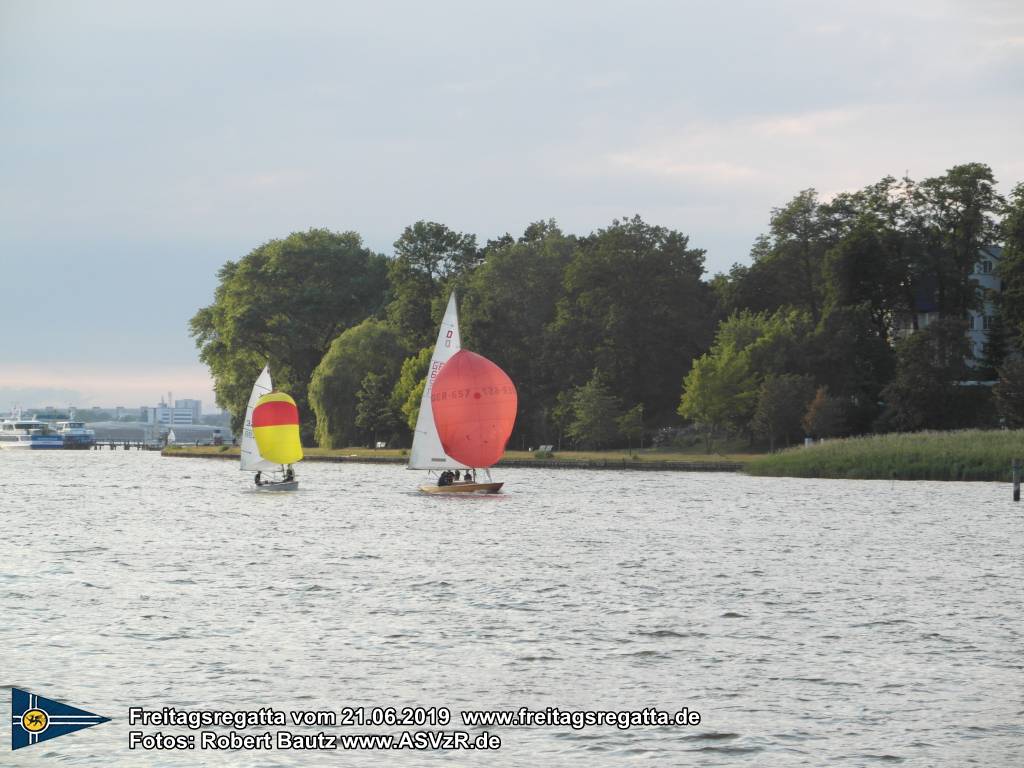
(850, 356)
(374, 412)
(634, 307)
(788, 268)
(1011, 270)
(1009, 393)
(372, 346)
(596, 412)
(429, 259)
(954, 217)
(562, 415)
(924, 393)
(631, 426)
(284, 303)
(994, 350)
(507, 304)
(719, 391)
(826, 415)
(408, 389)
(781, 404)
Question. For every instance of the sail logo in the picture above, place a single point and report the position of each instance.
(35, 719)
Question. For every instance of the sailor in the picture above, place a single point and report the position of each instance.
(445, 478)
(456, 475)
(258, 480)
(289, 475)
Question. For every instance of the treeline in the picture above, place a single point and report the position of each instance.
(616, 336)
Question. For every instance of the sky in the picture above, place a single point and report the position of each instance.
(142, 145)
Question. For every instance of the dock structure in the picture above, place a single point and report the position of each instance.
(140, 445)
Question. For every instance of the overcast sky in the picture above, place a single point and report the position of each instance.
(143, 144)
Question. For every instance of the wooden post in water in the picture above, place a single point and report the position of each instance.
(1016, 479)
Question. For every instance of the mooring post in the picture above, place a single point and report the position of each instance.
(1016, 479)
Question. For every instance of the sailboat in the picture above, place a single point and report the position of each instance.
(270, 436)
(467, 412)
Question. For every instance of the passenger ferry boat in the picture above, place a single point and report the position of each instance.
(19, 432)
(76, 435)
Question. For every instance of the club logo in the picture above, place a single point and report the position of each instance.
(35, 719)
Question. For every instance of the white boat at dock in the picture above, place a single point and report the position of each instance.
(76, 435)
(28, 434)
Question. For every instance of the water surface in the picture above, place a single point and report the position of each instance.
(809, 622)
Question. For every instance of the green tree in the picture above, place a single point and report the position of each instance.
(429, 259)
(1011, 270)
(781, 404)
(373, 346)
(720, 391)
(954, 217)
(849, 355)
(408, 390)
(635, 307)
(1009, 393)
(562, 415)
(284, 303)
(826, 415)
(374, 412)
(507, 304)
(929, 365)
(631, 426)
(596, 412)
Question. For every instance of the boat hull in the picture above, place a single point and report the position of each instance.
(478, 488)
(290, 485)
(26, 444)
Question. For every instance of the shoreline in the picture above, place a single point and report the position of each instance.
(649, 465)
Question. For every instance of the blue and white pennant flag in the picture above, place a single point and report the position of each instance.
(35, 719)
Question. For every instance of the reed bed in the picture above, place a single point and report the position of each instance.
(972, 454)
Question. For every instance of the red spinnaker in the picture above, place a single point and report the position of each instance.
(474, 404)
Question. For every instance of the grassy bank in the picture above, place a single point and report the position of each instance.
(964, 455)
(650, 458)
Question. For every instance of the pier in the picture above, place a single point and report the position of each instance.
(139, 445)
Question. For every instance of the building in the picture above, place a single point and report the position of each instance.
(196, 406)
(167, 415)
(979, 321)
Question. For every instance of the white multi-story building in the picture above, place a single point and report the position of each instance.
(165, 415)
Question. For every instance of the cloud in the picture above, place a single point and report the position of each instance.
(662, 163)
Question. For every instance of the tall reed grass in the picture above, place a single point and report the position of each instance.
(972, 454)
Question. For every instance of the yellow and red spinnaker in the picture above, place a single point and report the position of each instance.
(275, 425)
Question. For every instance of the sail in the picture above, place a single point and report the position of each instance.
(275, 424)
(427, 452)
(251, 459)
(474, 405)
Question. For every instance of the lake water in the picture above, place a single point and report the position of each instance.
(809, 622)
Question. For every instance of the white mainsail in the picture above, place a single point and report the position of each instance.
(427, 452)
(251, 459)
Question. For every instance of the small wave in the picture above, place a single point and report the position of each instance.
(666, 633)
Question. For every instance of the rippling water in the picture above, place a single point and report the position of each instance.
(809, 622)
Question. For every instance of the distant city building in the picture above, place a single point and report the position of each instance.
(196, 406)
(184, 412)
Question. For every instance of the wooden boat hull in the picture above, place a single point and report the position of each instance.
(462, 487)
(291, 485)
